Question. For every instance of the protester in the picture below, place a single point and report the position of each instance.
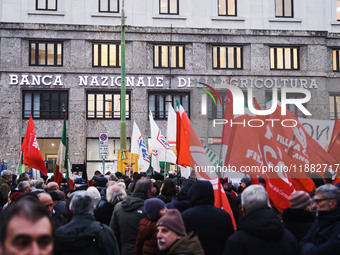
(181, 201)
(24, 187)
(172, 237)
(127, 215)
(324, 235)
(25, 228)
(146, 243)
(52, 186)
(260, 230)
(93, 191)
(56, 218)
(114, 195)
(5, 186)
(168, 191)
(212, 225)
(58, 205)
(83, 234)
(298, 219)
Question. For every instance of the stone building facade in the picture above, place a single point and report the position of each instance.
(52, 58)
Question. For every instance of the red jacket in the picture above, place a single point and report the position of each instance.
(146, 243)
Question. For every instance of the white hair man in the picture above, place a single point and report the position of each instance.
(324, 235)
(260, 231)
(83, 234)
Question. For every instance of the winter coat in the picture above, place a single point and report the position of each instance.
(125, 221)
(186, 245)
(5, 189)
(146, 243)
(180, 205)
(85, 236)
(103, 214)
(298, 221)
(212, 225)
(261, 232)
(324, 235)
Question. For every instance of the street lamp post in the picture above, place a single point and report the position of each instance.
(122, 88)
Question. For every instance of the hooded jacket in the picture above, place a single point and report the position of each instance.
(324, 235)
(261, 232)
(83, 235)
(212, 225)
(125, 221)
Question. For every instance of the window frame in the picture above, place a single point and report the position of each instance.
(114, 92)
(226, 4)
(169, 56)
(59, 92)
(155, 113)
(336, 111)
(55, 53)
(108, 7)
(219, 54)
(169, 7)
(118, 53)
(46, 3)
(337, 52)
(283, 9)
(283, 57)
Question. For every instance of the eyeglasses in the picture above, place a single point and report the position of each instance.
(321, 199)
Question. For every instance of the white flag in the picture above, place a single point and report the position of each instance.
(138, 146)
(172, 126)
(159, 143)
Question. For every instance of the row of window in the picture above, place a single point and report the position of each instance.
(283, 8)
(106, 105)
(170, 56)
(100, 105)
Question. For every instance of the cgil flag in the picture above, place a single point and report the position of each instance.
(138, 147)
(30, 148)
(160, 145)
(190, 144)
(171, 127)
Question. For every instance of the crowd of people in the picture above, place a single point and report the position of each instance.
(149, 215)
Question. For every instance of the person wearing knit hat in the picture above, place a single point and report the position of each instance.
(300, 199)
(146, 242)
(298, 219)
(172, 237)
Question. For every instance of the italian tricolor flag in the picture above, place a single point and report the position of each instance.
(62, 165)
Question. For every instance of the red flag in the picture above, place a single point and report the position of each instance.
(334, 146)
(30, 148)
(58, 176)
(192, 146)
(182, 138)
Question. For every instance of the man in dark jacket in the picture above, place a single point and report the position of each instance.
(5, 185)
(212, 225)
(127, 215)
(83, 234)
(324, 235)
(260, 230)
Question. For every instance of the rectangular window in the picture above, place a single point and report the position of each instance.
(106, 55)
(227, 7)
(46, 54)
(284, 58)
(227, 57)
(334, 106)
(45, 104)
(109, 6)
(47, 5)
(336, 60)
(159, 103)
(168, 7)
(284, 8)
(106, 105)
(168, 56)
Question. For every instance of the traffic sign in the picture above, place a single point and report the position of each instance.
(103, 146)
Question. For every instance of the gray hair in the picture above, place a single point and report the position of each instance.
(143, 186)
(329, 191)
(82, 203)
(39, 184)
(115, 193)
(254, 197)
(6, 173)
(23, 185)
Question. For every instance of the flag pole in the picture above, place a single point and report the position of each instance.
(20, 157)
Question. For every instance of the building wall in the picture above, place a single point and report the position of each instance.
(78, 24)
